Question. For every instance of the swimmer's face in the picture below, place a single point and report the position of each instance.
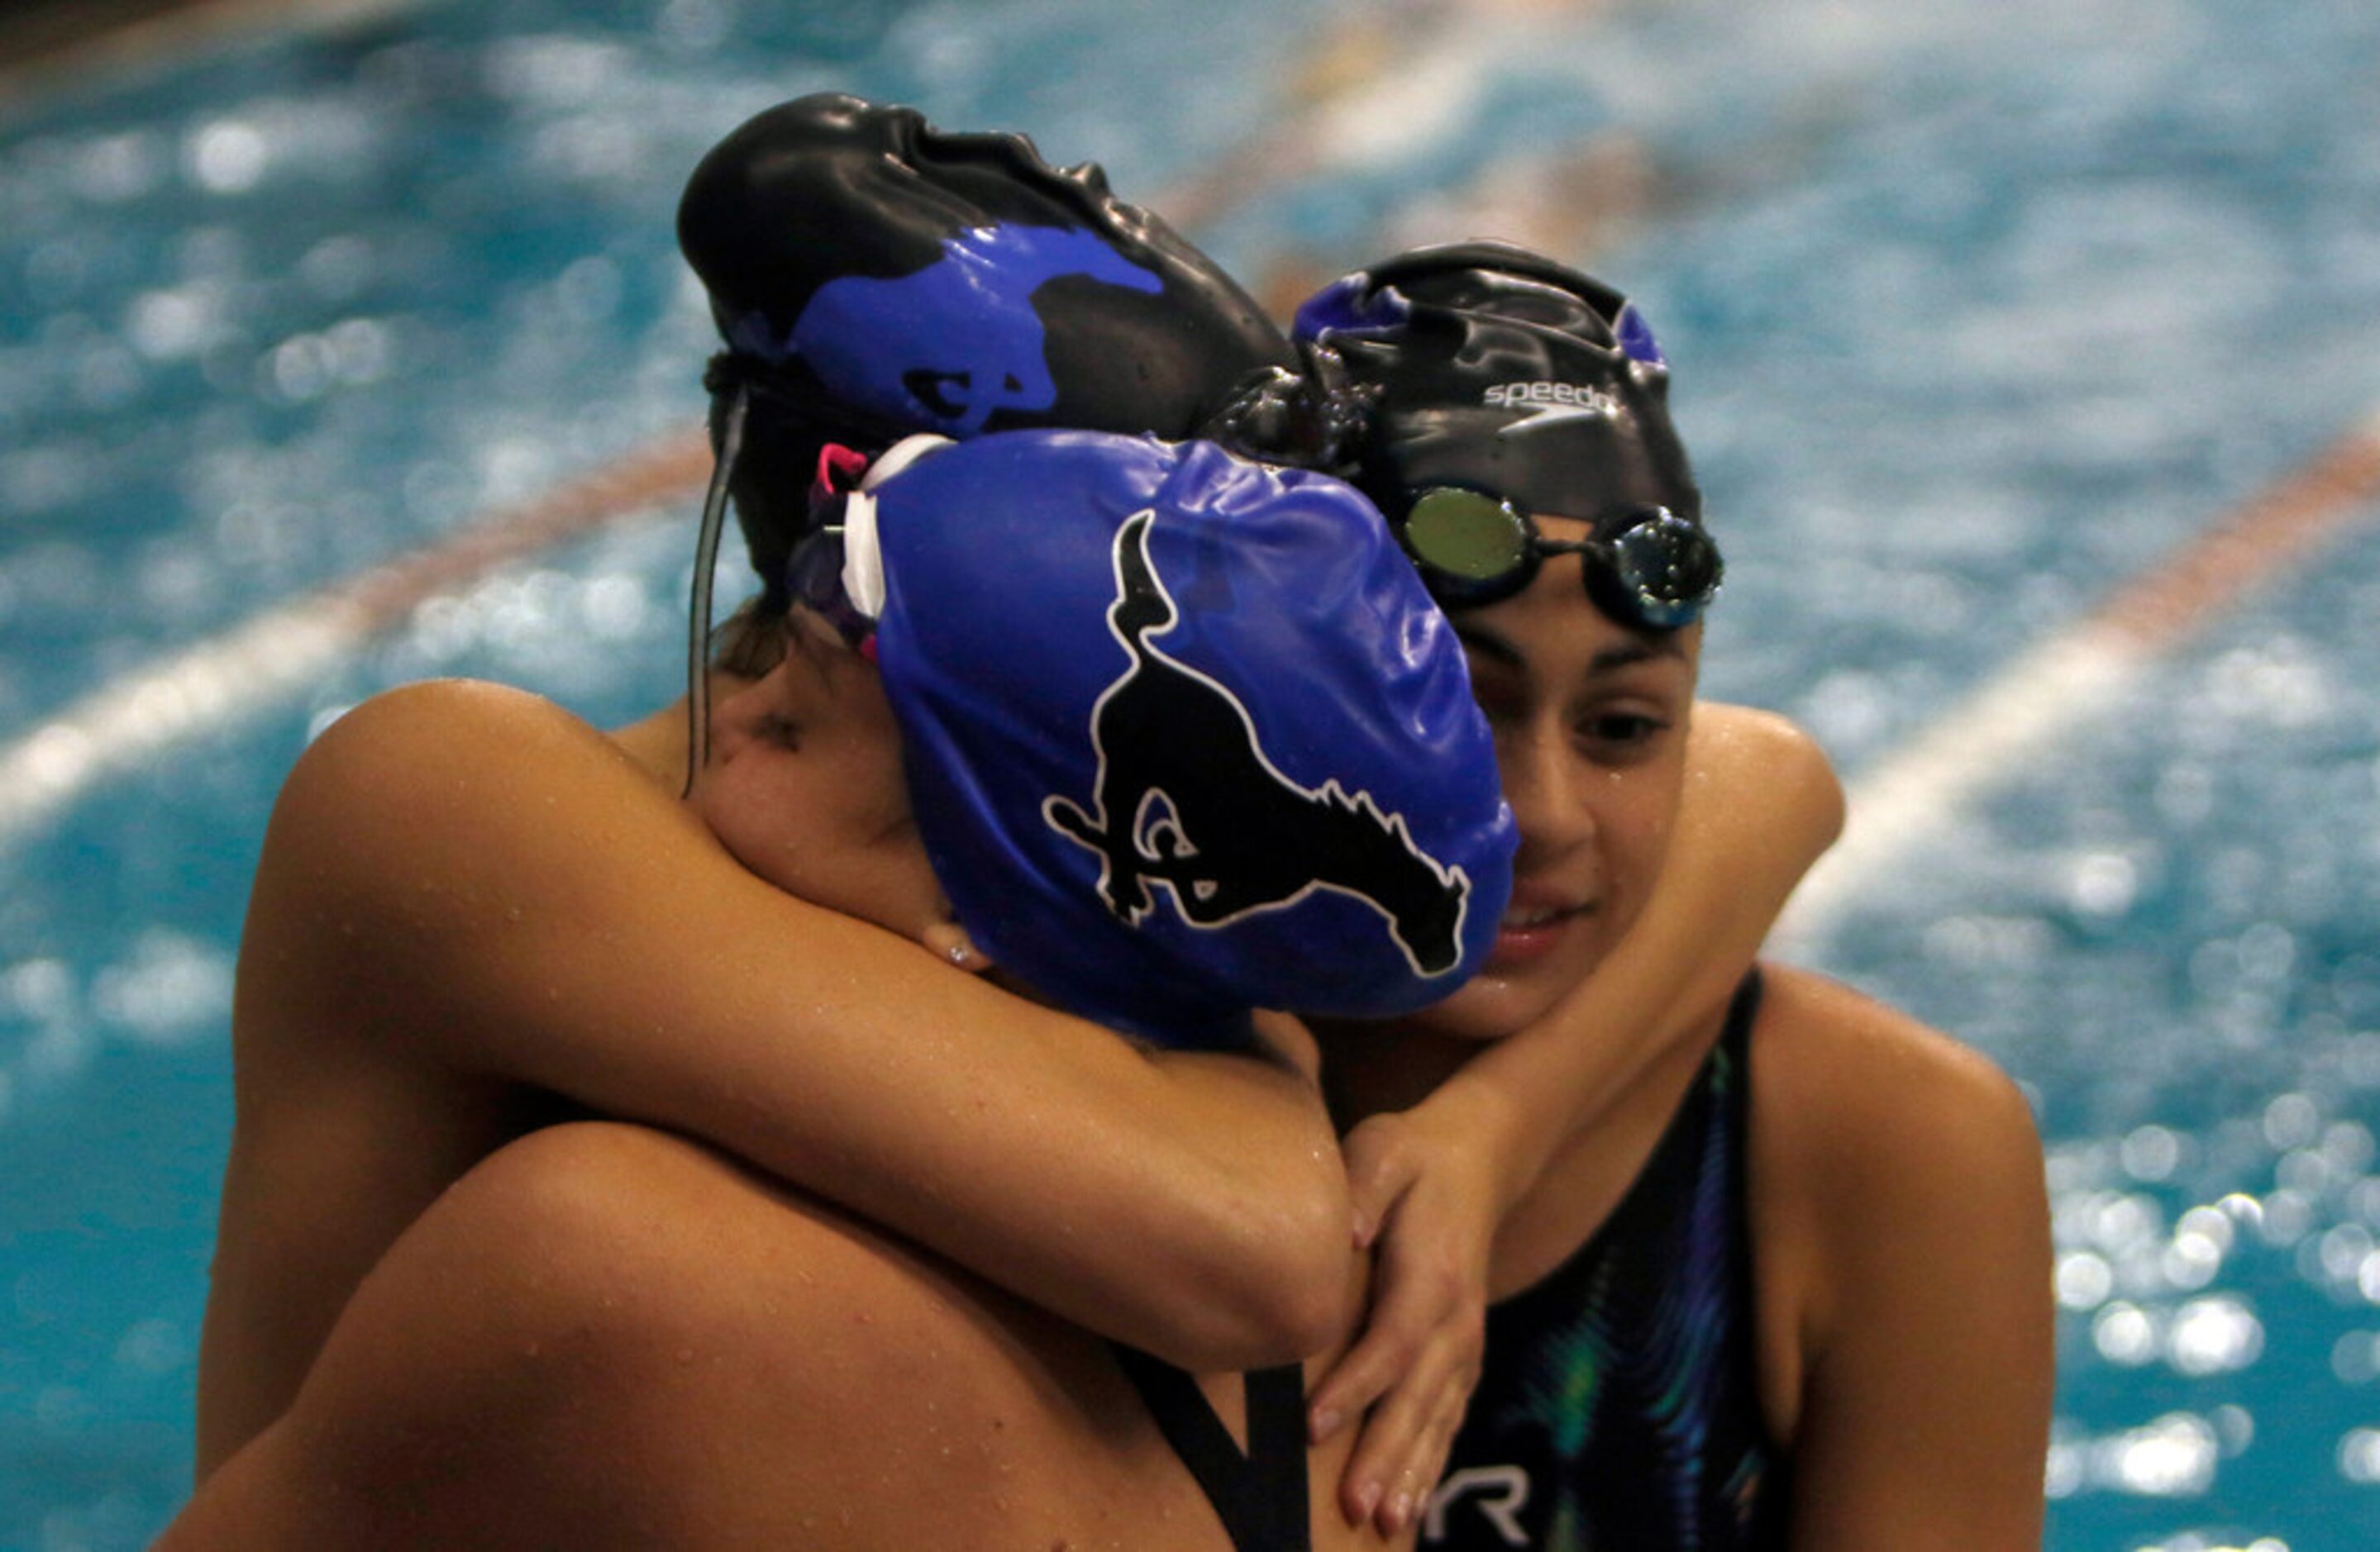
(1589, 718)
(804, 785)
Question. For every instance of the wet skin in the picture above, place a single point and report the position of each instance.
(803, 786)
(1590, 720)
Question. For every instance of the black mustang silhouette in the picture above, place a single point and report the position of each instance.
(1193, 804)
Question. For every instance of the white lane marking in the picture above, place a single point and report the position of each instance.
(257, 663)
(1918, 793)
(276, 654)
(1376, 88)
(122, 725)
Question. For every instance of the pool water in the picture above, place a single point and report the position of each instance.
(1976, 312)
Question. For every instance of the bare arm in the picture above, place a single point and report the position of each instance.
(530, 1364)
(1761, 804)
(547, 915)
(1899, 1210)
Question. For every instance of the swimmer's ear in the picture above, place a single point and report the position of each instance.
(948, 941)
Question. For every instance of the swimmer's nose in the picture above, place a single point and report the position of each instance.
(1552, 793)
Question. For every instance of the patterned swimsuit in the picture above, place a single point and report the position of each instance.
(1620, 1405)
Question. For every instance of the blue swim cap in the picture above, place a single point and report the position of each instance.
(1184, 735)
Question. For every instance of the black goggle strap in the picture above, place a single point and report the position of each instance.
(706, 561)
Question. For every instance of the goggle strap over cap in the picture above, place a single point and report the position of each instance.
(706, 561)
(1495, 258)
(863, 555)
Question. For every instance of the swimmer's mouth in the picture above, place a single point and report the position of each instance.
(1535, 918)
(1530, 931)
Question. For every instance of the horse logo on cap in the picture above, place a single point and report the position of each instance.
(947, 346)
(1187, 799)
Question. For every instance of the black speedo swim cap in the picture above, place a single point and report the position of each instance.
(1493, 366)
(875, 277)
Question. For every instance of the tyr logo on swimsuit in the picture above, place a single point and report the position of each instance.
(1498, 1492)
(1187, 799)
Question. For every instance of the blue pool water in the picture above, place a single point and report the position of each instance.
(1976, 312)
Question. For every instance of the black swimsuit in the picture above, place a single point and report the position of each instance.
(1620, 1402)
(1618, 1407)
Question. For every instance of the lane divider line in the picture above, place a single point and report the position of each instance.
(1918, 793)
(283, 651)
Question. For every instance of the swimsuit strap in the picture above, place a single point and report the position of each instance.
(1259, 1495)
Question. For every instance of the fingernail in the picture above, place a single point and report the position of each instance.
(1367, 1497)
(1363, 1227)
(1326, 1423)
(1400, 1510)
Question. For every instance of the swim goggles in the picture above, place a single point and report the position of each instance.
(1652, 569)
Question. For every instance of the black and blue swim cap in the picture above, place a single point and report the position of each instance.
(1183, 734)
(874, 276)
(1494, 367)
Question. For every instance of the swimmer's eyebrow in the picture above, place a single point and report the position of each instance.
(1611, 659)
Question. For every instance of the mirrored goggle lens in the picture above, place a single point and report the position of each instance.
(1466, 535)
(1668, 567)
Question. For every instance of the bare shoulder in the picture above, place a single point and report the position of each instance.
(1761, 745)
(1756, 733)
(531, 1365)
(1902, 1237)
(1861, 1094)
(431, 846)
(1878, 1143)
(445, 768)
(385, 880)
(1897, 1179)
(414, 742)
